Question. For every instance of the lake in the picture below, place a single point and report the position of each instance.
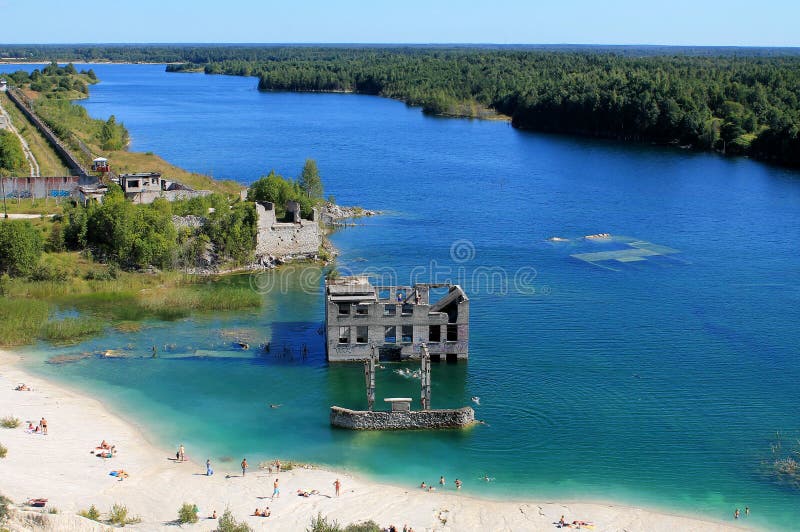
(657, 368)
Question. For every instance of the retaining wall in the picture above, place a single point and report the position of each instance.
(55, 142)
(383, 420)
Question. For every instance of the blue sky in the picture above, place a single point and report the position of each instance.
(681, 22)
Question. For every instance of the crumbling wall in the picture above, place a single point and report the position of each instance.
(285, 239)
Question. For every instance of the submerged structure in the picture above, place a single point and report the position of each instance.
(394, 321)
(401, 416)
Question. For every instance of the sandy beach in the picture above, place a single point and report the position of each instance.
(62, 468)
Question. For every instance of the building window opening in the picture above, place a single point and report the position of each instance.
(390, 334)
(452, 332)
(344, 335)
(408, 334)
(362, 334)
(390, 310)
(408, 309)
(362, 310)
(344, 309)
(435, 333)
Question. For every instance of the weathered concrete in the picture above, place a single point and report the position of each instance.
(285, 239)
(397, 320)
(400, 420)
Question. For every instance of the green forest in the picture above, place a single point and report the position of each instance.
(738, 101)
(731, 104)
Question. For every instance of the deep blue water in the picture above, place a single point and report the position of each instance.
(660, 381)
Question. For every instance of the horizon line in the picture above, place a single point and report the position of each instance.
(401, 44)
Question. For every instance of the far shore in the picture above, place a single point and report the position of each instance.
(61, 468)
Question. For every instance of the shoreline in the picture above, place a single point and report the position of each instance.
(60, 467)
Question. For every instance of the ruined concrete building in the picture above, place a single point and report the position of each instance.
(289, 236)
(394, 321)
(146, 187)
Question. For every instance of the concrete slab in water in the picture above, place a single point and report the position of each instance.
(634, 251)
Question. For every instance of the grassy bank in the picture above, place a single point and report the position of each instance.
(82, 299)
(50, 164)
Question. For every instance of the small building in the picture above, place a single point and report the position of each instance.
(3, 85)
(140, 182)
(100, 164)
(86, 194)
(394, 321)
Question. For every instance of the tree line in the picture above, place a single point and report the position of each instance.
(735, 105)
(733, 100)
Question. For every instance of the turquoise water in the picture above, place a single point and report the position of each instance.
(657, 382)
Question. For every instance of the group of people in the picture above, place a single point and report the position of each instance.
(736, 514)
(562, 523)
(41, 428)
(22, 388)
(104, 450)
(262, 513)
(393, 528)
(427, 487)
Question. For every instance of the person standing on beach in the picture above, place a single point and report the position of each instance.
(209, 471)
(244, 466)
(181, 453)
(338, 486)
(276, 492)
(43, 424)
(441, 480)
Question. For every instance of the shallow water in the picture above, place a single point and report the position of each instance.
(660, 381)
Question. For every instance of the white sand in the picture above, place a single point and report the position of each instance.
(60, 467)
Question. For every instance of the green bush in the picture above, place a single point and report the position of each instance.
(118, 515)
(9, 422)
(227, 523)
(5, 503)
(187, 513)
(91, 513)
(3, 451)
(366, 526)
(20, 247)
(321, 524)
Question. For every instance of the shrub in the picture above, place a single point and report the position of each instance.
(187, 513)
(321, 524)
(118, 515)
(228, 524)
(366, 526)
(3, 451)
(20, 247)
(9, 422)
(52, 510)
(5, 503)
(91, 513)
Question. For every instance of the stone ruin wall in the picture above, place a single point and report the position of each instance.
(285, 239)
